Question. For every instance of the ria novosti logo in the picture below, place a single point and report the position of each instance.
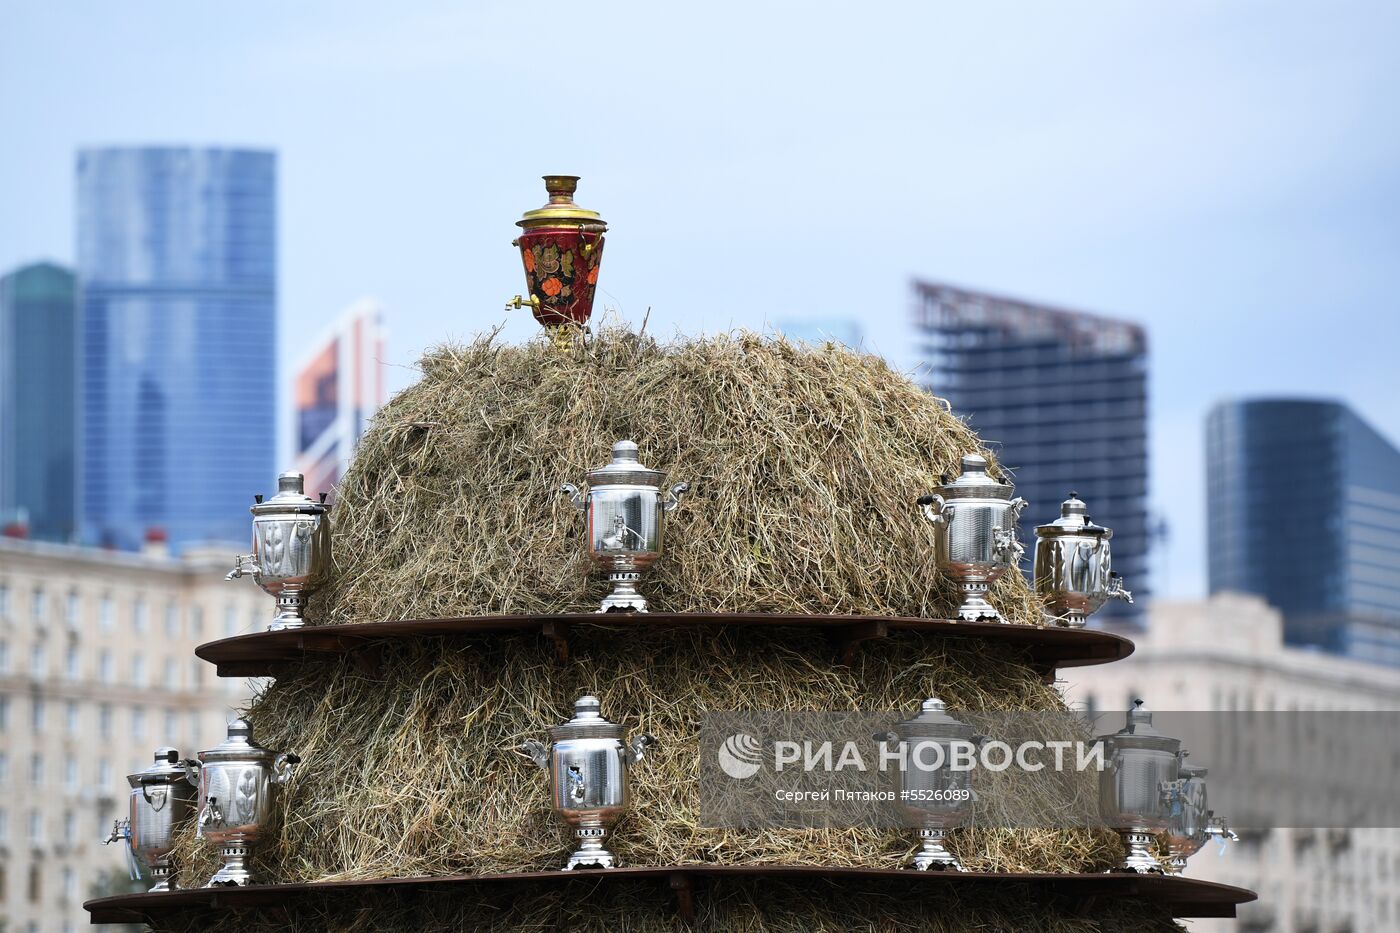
(740, 756)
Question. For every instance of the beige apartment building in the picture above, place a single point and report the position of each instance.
(1227, 653)
(97, 670)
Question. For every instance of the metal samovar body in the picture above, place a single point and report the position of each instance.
(235, 783)
(588, 767)
(291, 549)
(625, 509)
(162, 800)
(975, 534)
(1073, 566)
(1142, 766)
(935, 799)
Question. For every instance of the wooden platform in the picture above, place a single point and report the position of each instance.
(259, 654)
(687, 885)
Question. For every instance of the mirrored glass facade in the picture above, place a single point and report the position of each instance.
(1062, 398)
(37, 433)
(1304, 511)
(177, 269)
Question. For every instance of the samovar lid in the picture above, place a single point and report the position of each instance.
(974, 482)
(239, 746)
(933, 722)
(291, 498)
(1074, 520)
(625, 469)
(165, 769)
(561, 211)
(1139, 732)
(588, 723)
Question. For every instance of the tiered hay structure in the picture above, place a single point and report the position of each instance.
(804, 466)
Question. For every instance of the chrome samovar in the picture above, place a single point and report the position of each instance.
(588, 766)
(235, 780)
(1073, 567)
(936, 799)
(975, 534)
(1191, 822)
(1135, 787)
(291, 549)
(162, 801)
(626, 512)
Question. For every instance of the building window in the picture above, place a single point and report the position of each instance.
(36, 826)
(70, 778)
(38, 661)
(72, 611)
(138, 670)
(70, 717)
(230, 621)
(172, 620)
(4, 600)
(104, 666)
(138, 722)
(196, 672)
(172, 724)
(36, 605)
(36, 714)
(70, 886)
(36, 889)
(104, 773)
(104, 720)
(4, 834)
(196, 621)
(172, 674)
(36, 769)
(138, 615)
(4, 657)
(106, 612)
(70, 662)
(4, 713)
(4, 767)
(194, 728)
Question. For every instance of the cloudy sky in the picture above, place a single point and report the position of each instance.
(1227, 174)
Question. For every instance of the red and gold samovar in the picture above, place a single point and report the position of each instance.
(561, 247)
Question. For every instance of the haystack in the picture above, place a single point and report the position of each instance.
(804, 467)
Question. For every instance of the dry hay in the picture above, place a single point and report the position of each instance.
(731, 905)
(415, 773)
(804, 467)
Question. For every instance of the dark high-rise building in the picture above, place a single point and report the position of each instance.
(37, 433)
(1062, 398)
(1304, 510)
(177, 256)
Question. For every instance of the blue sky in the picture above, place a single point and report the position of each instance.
(1226, 173)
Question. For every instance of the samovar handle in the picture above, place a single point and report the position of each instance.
(935, 515)
(577, 499)
(192, 770)
(1017, 506)
(883, 737)
(283, 766)
(674, 499)
(536, 751)
(637, 748)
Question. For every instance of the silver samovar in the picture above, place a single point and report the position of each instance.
(626, 512)
(1143, 766)
(235, 779)
(162, 801)
(291, 549)
(975, 534)
(588, 765)
(1191, 823)
(936, 799)
(1073, 570)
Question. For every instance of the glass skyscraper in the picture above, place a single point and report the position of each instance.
(178, 333)
(37, 433)
(1304, 511)
(1062, 398)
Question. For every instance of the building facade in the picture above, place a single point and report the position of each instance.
(38, 433)
(1062, 398)
(178, 335)
(97, 670)
(337, 389)
(1229, 653)
(1304, 511)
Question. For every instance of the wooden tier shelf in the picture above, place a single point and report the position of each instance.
(686, 883)
(258, 654)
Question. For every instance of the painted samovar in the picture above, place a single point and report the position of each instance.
(561, 247)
